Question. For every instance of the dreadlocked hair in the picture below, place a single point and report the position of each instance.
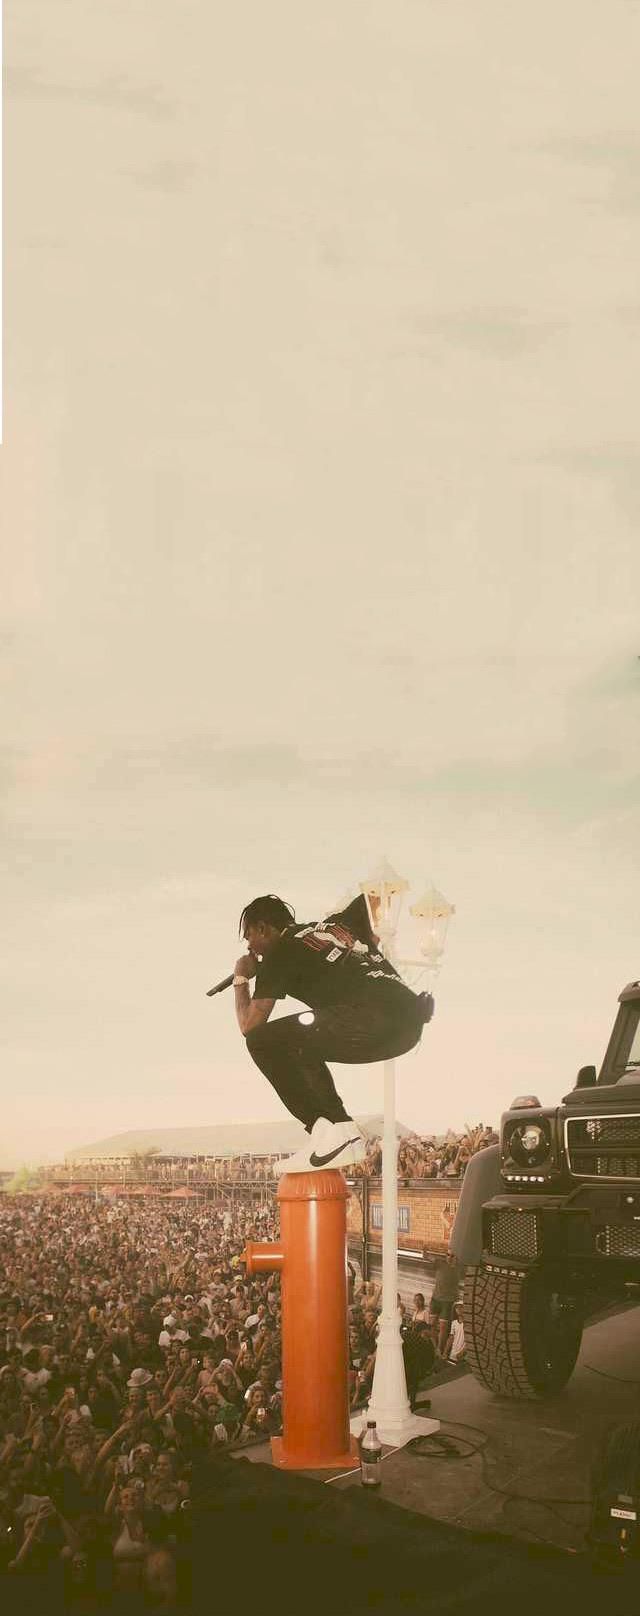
(269, 910)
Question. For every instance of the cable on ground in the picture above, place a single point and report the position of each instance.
(442, 1446)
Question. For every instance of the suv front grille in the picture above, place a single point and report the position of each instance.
(603, 1147)
(619, 1240)
(514, 1234)
(605, 1166)
(623, 1131)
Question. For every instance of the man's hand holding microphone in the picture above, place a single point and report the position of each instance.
(245, 968)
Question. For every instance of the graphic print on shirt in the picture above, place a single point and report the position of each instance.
(321, 962)
(335, 942)
(330, 939)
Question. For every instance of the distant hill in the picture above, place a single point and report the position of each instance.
(219, 1139)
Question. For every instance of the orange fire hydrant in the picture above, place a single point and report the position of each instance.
(312, 1259)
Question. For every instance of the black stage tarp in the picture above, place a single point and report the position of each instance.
(261, 1534)
(264, 1540)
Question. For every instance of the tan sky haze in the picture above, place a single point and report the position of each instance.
(319, 497)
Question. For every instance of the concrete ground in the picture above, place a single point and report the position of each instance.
(529, 1477)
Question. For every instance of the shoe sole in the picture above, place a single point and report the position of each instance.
(348, 1157)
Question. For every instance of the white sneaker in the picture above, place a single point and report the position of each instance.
(336, 1144)
(332, 1144)
(298, 1163)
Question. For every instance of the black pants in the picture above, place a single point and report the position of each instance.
(419, 1356)
(293, 1053)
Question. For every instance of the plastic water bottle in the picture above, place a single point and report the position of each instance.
(370, 1456)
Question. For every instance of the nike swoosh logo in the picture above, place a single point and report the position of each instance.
(321, 1161)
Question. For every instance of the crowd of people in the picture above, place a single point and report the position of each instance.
(132, 1346)
(432, 1332)
(429, 1157)
(419, 1157)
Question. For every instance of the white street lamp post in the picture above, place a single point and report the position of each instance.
(389, 1403)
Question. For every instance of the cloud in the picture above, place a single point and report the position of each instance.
(199, 757)
(628, 314)
(166, 176)
(498, 332)
(613, 158)
(594, 720)
(617, 465)
(114, 93)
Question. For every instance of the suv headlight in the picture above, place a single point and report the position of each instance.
(527, 1143)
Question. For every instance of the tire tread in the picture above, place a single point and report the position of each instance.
(493, 1313)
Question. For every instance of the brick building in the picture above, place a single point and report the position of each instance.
(426, 1210)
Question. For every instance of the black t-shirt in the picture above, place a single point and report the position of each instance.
(322, 963)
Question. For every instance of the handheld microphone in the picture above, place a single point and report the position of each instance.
(220, 986)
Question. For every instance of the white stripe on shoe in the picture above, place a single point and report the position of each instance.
(332, 1144)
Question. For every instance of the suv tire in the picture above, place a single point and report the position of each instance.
(522, 1336)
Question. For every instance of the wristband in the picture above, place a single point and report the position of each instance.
(241, 981)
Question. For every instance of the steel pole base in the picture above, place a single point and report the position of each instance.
(389, 1404)
(290, 1459)
(394, 1430)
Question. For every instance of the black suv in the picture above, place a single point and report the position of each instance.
(548, 1223)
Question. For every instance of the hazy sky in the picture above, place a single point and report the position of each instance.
(319, 498)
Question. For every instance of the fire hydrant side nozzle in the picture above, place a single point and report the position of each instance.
(262, 1257)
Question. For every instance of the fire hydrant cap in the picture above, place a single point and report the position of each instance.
(326, 1186)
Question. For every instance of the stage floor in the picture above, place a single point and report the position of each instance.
(536, 1458)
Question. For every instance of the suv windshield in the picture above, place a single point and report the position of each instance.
(633, 1058)
(622, 1059)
